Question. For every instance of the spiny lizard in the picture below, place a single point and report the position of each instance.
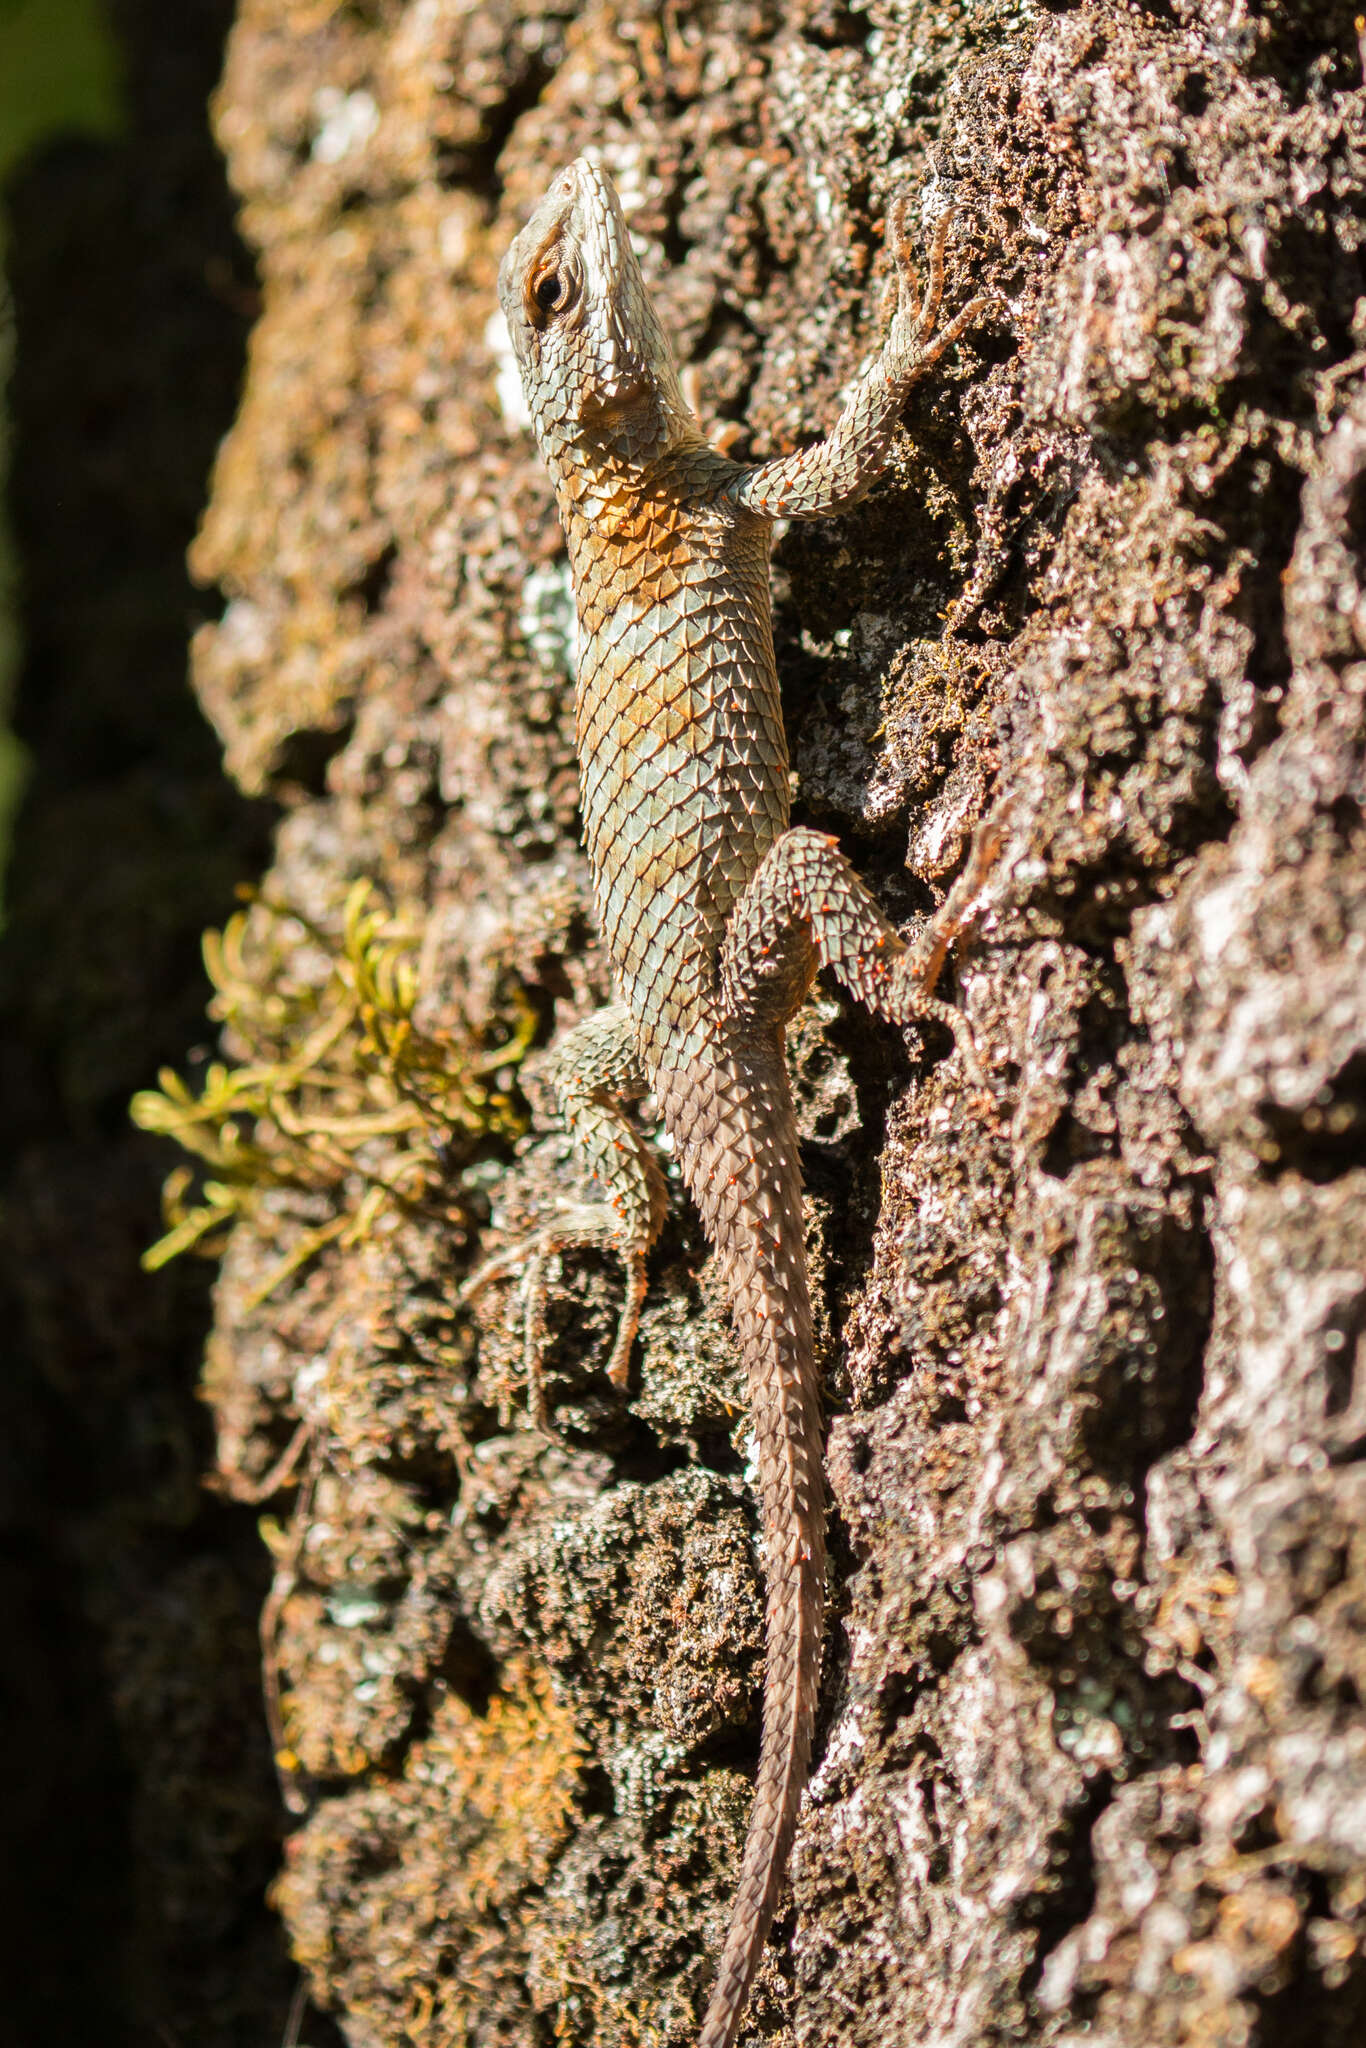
(715, 913)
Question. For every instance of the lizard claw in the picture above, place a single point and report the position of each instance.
(901, 249)
(918, 311)
(916, 1004)
(584, 1229)
(934, 290)
(920, 966)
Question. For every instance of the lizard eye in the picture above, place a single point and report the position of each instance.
(550, 292)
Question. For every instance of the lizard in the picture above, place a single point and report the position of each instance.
(714, 910)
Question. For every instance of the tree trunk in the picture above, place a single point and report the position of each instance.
(1092, 1756)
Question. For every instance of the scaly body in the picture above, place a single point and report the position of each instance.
(714, 912)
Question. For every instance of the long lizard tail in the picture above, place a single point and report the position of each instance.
(737, 1144)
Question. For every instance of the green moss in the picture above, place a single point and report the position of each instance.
(337, 1091)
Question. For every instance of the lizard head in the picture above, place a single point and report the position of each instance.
(597, 370)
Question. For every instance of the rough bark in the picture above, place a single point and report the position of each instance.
(1093, 1752)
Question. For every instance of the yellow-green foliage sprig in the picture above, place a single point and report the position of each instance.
(338, 1093)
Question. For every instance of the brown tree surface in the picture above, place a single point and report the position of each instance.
(1092, 1757)
(1093, 1747)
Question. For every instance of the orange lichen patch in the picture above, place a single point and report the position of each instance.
(515, 1771)
(407, 1900)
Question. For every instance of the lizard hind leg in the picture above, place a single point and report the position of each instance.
(592, 1075)
(805, 907)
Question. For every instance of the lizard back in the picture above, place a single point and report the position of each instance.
(682, 756)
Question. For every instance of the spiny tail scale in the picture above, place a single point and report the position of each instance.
(737, 1146)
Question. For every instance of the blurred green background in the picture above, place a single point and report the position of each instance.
(59, 75)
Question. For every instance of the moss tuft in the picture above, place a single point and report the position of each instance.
(338, 1092)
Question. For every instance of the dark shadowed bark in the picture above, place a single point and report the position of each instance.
(139, 1823)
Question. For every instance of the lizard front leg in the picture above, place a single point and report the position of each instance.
(837, 471)
(592, 1075)
(805, 908)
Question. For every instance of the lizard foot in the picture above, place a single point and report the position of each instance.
(588, 1227)
(917, 973)
(918, 320)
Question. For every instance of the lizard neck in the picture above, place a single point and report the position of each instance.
(612, 492)
(622, 440)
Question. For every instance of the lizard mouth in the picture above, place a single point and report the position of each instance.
(614, 292)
